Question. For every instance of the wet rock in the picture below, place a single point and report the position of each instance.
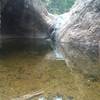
(70, 98)
(23, 18)
(80, 37)
(92, 78)
(58, 98)
(42, 98)
(24, 25)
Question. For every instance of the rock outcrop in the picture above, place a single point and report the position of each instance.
(80, 37)
(23, 18)
(24, 25)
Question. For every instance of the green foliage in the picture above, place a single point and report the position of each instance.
(58, 6)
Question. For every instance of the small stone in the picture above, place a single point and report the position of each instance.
(42, 98)
(70, 97)
(58, 98)
(92, 78)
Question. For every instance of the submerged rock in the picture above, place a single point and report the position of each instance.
(58, 98)
(70, 98)
(80, 37)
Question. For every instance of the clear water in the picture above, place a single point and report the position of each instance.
(25, 71)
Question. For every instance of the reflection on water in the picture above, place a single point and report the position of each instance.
(27, 71)
(24, 44)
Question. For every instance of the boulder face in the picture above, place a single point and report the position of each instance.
(23, 18)
(80, 37)
(23, 26)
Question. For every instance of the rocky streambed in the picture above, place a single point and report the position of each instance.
(27, 71)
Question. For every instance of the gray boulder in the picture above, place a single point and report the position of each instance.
(79, 38)
(23, 18)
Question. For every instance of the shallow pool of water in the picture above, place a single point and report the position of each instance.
(25, 72)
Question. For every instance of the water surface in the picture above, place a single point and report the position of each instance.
(27, 71)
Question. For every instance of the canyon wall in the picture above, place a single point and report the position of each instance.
(23, 18)
(79, 38)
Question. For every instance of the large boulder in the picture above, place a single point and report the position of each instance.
(79, 37)
(24, 24)
(23, 18)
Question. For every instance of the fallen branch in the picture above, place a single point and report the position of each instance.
(29, 96)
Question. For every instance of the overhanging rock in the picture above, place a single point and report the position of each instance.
(23, 18)
(24, 24)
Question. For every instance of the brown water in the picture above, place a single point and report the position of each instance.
(22, 73)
